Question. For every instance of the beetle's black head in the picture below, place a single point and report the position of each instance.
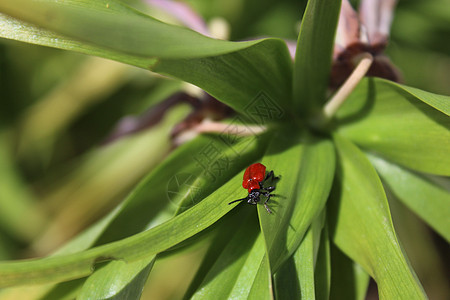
(253, 197)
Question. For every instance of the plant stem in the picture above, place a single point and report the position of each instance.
(365, 61)
(239, 130)
(208, 126)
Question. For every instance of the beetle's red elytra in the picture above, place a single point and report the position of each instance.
(253, 175)
(254, 179)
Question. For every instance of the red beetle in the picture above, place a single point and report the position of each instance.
(254, 179)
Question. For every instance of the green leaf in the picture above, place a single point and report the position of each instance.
(150, 196)
(241, 70)
(81, 242)
(110, 25)
(193, 172)
(233, 158)
(255, 81)
(262, 284)
(118, 280)
(307, 170)
(18, 30)
(423, 196)
(286, 279)
(348, 279)
(159, 186)
(224, 237)
(241, 270)
(361, 225)
(306, 258)
(97, 179)
(295, 279)
(322, 272)
(145, 244)
(223, 276)
(439, 102)
(415, 245)
(138, 208)
(313, 56)
(399, 126)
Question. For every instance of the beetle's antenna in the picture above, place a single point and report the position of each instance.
(238, 200)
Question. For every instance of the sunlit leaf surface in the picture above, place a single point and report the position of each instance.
(359, 199)
(382, 118)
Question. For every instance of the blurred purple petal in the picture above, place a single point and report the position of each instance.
(292, 46)
(209, 109)
(348, 30)
(132, 124)
(377, 15)
(182, 12)
(366, 32)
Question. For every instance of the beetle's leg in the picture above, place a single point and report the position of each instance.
(265, 203)
(252, 201)
(268, 195)
(270, 174)
(267, 208)
(270, 188)
(238, 200)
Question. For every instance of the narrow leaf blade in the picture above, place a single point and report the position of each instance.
(439, 102)
(313, 56)
(322, 272)
(307, 170)
(118, 280)
(423, 196)
(362, 226)
(145, 244)
(350, 281)
(123, 30)
(296, 278)
(249, 80)
(241, 71)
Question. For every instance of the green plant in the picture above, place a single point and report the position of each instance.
(331, 203)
